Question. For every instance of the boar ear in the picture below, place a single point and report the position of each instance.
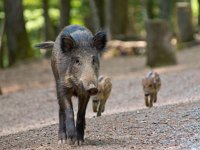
(99, 41)
(67, 43)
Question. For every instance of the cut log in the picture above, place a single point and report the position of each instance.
(159, 48)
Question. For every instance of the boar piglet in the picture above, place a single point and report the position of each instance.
(75, 65)
(104, 89)
(151, 85)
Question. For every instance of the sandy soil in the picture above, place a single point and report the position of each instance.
(28, 108)
(166, 127)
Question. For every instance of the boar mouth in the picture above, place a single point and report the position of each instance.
(92, 90)
(146, 94)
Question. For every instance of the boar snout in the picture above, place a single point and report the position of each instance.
(92, 89)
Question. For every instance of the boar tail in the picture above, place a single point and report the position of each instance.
(45, 45)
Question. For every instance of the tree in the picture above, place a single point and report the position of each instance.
(0, 91)
(150, 9)
(94, 14)
(165, 9)
(100, 5)
(184, 19)
(48, 34)
(199, 13)
(48, 28)
(64, 13)
(116, 17)
(2, 31)
(17, 38)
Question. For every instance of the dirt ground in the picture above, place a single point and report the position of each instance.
(29, 117)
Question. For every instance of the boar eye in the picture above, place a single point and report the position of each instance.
(93, 59)
(150, 85)
(77, 61)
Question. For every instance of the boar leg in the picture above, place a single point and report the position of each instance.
(62, 129)
(66, 117)
(146, 101)
(101, 107)
(69, 122)
(155, 97)
(103, 104)
(80, 122)
(95, 105)
(151, 100)
(99, 110)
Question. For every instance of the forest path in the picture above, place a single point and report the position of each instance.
(29, 117)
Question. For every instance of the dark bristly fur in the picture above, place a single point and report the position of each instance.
(75, 65)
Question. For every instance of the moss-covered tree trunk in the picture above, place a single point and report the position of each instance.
(64, 13)
(184, 19)
(17, 38)
(116, 17)
(159, 48)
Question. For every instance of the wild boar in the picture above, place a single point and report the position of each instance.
(75, 65)
(151, 85)
(104, 89)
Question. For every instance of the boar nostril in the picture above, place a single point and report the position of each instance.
(92, 90)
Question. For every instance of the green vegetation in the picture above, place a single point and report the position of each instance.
(80, 13)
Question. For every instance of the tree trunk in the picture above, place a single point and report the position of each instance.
(0, 91)
(47, 22)
(64, 13)
(48, 28)
(159, 48)
(184, 19)
(100, 5)
(17, 38)
(116, 17)
(95, 17)
(165, 9)
(150, 9)
(199, 13)
(2, 30)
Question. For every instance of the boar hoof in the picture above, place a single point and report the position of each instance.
(151, 105)
(71, 141)
(80, 142)
(61, 142)
(99, 113)
(71, 136)
(80, 137)
(61, 137)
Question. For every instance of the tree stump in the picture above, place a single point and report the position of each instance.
(159, 48)
(184, 20)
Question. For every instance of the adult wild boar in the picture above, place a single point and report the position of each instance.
(75, 65)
